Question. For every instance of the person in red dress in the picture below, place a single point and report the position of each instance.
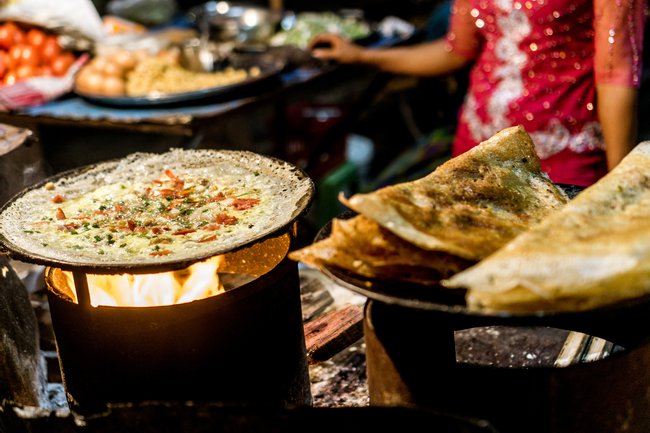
(568, 72)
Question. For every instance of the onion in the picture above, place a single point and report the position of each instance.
(124, 58)
(114, 86)
(112, 69)
(89, 80)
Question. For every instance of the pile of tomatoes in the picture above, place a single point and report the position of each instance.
(30, 52)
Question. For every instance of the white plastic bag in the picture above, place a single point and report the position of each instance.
(38, 90)
(65, 16)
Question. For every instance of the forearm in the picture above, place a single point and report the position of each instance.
(617, 110)
(427, 59)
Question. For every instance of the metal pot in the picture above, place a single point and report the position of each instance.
(411, 361)
(244, 346)
(233, 21)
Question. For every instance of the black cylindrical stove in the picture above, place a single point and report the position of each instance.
(411, 361)
(245, 345)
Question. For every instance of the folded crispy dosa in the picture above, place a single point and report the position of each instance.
(361, 246)
(471, 205)
(594, 251)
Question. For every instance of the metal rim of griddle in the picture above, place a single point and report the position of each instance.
(451, 301)
(283, 225)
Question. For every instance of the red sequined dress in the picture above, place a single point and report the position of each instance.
(537, 63)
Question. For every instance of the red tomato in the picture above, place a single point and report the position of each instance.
(30, 56)
(19, 35)
(50, 48)
(5, 64)
(6, 36)
(11, 64)
(10, 34)
(36, 38)
(46, 71)
(62, 63)
(23, 54)
(26, 71)
(16, 53)
(3, 69)
(10, 78)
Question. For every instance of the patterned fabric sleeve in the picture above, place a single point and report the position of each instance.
(463, 37)
(618, 26)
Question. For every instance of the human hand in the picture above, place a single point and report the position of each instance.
(329, 46)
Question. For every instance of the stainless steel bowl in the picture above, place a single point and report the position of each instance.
(233, 21)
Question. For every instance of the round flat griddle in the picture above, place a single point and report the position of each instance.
(289, 191)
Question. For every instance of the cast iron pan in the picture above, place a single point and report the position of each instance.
(291, 198)
(451, 302)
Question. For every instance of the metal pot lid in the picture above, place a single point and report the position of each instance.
(154, 212)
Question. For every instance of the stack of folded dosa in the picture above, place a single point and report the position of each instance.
(431, 228)
(594, 251)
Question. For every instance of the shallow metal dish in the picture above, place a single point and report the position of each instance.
(235, 21)
(270, 71)
(624, 322)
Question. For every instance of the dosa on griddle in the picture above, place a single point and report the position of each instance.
(593, 252)
(361, 246)
(471, 205)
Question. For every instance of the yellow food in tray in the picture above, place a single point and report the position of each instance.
(136, 74)
(158, 75)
